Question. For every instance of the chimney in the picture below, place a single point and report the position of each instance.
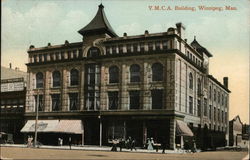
(225, 82)
(180, 29)
(10, 65)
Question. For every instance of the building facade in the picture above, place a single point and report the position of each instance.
(130, 86)
(12, 100)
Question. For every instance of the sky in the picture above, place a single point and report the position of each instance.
(224, 33)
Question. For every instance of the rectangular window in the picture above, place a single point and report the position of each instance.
(57, 56)
(199, 107)
(40, 57)
(128, 48)
(135, 48)
(55, 102)
(107, 50)
(40, 103)
(218, 115)
(210, 111)
(190, 105)
(158, 46)
(205, 107)
(62, 56)
(45, 57)
(165, 45)
(113, 100)
(134, 97)
(157, 99)
(150, 46)
(222, 116)
(214, 114)
(120, 49)
(142, 47)
(114, 50)
(73, 101)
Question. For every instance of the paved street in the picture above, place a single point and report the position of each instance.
(31, 153)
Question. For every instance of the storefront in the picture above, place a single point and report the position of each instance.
(49, 131)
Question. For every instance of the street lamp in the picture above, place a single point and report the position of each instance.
(36, 122)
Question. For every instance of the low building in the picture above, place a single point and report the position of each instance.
(12, 100)
(235, 131)
(139, 86)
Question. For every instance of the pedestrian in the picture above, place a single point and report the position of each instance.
(121, 144)
(164, 145)
(61, 142)
(70, 143)
(150, 146)
(133, 143)
(114, 145)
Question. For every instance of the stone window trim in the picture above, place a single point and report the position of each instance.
(191, 81)
(74, 77)
(135, 73)
(113, 74)
(39, 80)
(157, 72)
(56, 79)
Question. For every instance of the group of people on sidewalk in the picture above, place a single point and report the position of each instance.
(130, 143)
(121, 143)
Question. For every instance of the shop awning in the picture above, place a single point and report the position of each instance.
(42, 126)
(62, 126)
(182, 129)
(69, 126)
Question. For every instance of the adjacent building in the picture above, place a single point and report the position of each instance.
(12, 100)
(137, 86)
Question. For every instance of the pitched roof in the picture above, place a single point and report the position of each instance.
(99, 24)
(8, 73)
(200, 48)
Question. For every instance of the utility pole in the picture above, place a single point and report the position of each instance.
(100, 119)
(37, 107)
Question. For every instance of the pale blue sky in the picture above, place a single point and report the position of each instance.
(225, 34)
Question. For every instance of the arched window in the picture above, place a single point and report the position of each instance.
(191, 81)
(134, 73)
(199, 87)
(93, 52)
(157, 72)
(39, 80)
(56, 79)
(74, 77)
(113, 74)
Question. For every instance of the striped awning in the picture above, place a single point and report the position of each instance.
(69, 126)
(58, 126)
(182, 129)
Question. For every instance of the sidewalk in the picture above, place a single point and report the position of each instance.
(97, 148)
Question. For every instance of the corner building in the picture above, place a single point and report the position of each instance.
(131, 86)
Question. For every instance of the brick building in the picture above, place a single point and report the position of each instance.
(150, 85)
